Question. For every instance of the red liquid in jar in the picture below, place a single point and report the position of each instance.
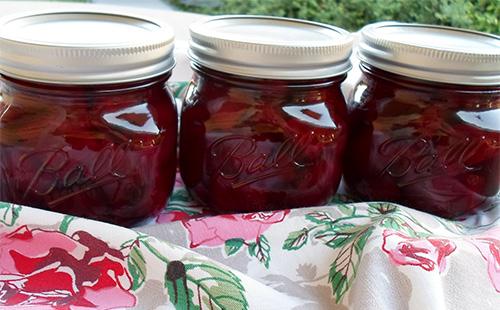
(103, 152)
(434, 147)
(255, 145)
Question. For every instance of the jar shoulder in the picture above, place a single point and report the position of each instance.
(232, 106)
(114, 116)
(375, 92)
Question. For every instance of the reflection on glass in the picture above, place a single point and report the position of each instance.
(135, 118)
(488, 120)
(314, 114)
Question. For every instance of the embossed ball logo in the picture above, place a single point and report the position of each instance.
(240, 159)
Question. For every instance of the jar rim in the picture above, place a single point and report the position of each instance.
(433, 53)
(84, 47)
(251, 82)
(270, 47)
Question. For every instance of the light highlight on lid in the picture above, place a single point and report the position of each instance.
(84, 47)
(432, 53)
(270, 47)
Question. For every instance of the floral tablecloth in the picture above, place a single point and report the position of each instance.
(345, 255)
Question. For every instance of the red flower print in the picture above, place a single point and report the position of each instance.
(215, 230)
(423, 252)
(51, 270)
(489, 246)
(167, 216)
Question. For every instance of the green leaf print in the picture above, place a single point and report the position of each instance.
(319, 217)
(178, 88)
(261, 249)
(340, 240)
(197, 285)
(333, 238)
(180, 196)
(397, 223)
(342, 199)
(392, 223)
(381, 208)
(344, 267)
(63, 227)
(214, 288)
(136, 267)
(296, 240)
(360, 243)
(9, 213)
(180, 201)
(179, 296)
(338, 281)
(252, 246)
(348, 234)
(392, 217)
(345, 228)
(232, 246)
(177, 286)
(348, 210)
(339, 235)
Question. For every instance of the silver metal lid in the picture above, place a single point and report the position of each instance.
(433, 53)
(84, 47)
(270, 47)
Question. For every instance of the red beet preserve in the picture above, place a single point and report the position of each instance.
(265, 130)
(89, 132)
(426, 124)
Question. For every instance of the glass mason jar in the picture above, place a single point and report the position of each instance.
(263, 122)
(87, 126)
(425, 118)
